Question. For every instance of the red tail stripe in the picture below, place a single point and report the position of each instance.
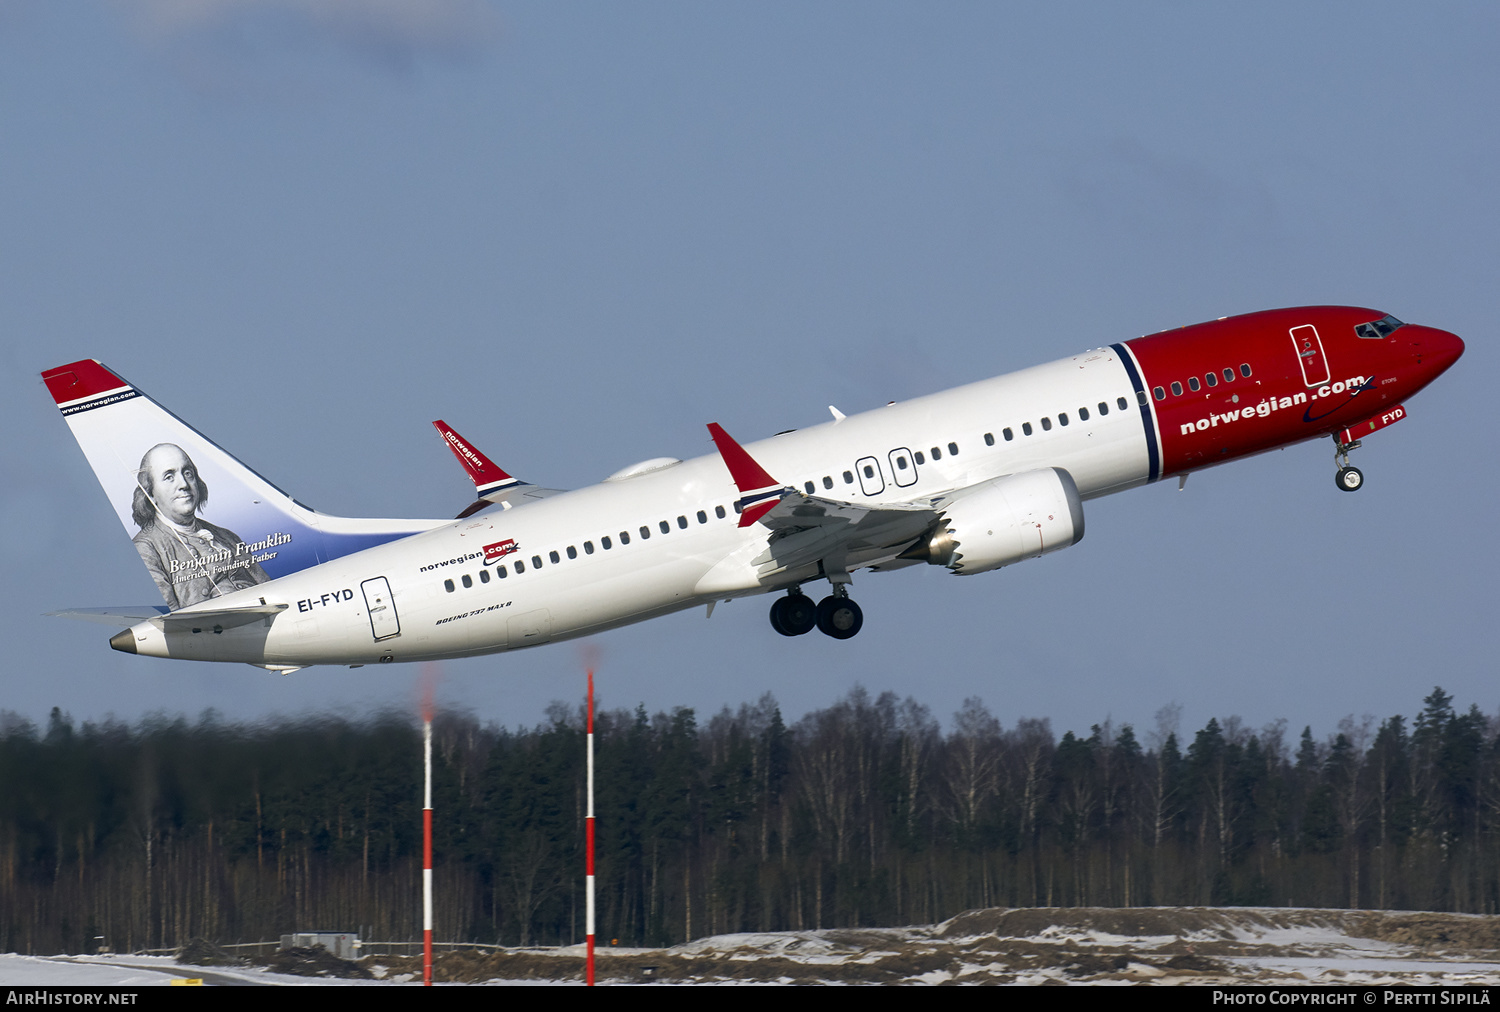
(80, 379)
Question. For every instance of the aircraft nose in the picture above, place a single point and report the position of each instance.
(1438, 348)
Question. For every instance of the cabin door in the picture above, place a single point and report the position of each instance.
(382, 608)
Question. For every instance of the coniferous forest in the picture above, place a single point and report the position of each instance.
(863, 813)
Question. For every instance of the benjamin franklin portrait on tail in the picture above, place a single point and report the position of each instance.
(190, 559)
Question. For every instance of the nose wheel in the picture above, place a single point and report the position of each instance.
(1347, 478)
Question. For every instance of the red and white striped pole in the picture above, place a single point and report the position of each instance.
(588, 916)
(427, 844)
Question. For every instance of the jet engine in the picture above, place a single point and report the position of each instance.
(1005, 520)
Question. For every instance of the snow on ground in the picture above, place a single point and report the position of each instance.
(1161, 945)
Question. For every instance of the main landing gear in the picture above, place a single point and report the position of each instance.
(836, 615)
(1348, 479)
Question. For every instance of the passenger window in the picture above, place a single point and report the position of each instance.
(448, 586)
(809, 487)
(1104, 407)
(1159, 393)
(468, 581)
(666, 528)
(1176, 389)
(827, 481)
(484, 576)
(1046, 424)
(937, 454)
(1062, 418)
(1026, 428)
(1228, 375)
(1193, 384)
(953, 449)
(989, 439)
(1212, 379)
(606, 542)
(1245, 370)
(588, 548)
(501, 571)
(702, 517)
(520, 567)
(624, 537)
(848, 477)
(869, 471)
(682, 523)
(719, 512)
(645, 533)
(900, 466)
(1083, 414)
(1009, 435)
(554, 557)
(536, 562)
(572, 552)
(918, 457)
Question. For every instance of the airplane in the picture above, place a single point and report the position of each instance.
(972, 479)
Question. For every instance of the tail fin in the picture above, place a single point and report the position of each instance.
(157, 472)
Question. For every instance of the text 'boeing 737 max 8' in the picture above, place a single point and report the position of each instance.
(972, 479)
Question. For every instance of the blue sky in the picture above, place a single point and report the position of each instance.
(578, 232)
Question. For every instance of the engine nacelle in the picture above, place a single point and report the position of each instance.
(1006, 520)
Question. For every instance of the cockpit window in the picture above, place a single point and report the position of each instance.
(1380, 328)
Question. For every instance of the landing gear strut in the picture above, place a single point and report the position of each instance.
(1348, 479)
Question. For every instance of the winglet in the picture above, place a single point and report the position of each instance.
(485, 473)
(759, 492)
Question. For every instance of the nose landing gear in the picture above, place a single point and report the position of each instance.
(1348, 479)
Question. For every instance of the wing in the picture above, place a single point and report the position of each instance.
(491, 483)
(810, 531)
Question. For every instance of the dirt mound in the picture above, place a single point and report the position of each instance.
(314, 962)
(1134, 922)
(1429, 931)
(200, 952)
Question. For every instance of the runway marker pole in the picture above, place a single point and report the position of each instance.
(589, 843)
(427, 841)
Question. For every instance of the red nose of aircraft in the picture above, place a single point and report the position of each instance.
(1435, 349)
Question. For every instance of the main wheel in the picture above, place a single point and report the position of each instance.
(1349, 479)
(793, 615)
(839, 617)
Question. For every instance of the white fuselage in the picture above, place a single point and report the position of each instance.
(439, 605)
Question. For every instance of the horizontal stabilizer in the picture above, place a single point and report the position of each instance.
(203, 618)
(122, 615)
